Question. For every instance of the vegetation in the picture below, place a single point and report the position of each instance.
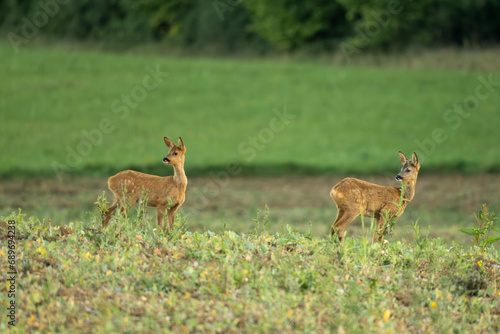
(130, 277)
(485, 225)
(67, 112)
(259, 25)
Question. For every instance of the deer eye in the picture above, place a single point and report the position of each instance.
(408, 170)
(175, 153)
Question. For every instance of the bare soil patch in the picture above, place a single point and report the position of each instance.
(238, 194)
(435, 192)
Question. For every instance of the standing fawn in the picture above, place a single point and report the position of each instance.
(129, 185)
(354, 197)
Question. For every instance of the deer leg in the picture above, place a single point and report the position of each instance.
(160, 215)
(109, 212)
(123, 210)
(171, 215)
(344, 218)
(126, 205)
(379, 223)
(340, 213)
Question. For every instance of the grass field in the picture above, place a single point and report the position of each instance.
(92, 113)
(131, 278)
(266, 140)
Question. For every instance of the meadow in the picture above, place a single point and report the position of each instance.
(266, 139)
(72, 117)
(133, 278)
(67, 112)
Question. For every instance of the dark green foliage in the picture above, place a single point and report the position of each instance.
(192, 23)
(232, 26)
(291, 24)
(118, 20)
(429, 22)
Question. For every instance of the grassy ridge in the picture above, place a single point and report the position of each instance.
(77, 111)
(130, 278)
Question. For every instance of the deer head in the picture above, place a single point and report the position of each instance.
(176, 152)
(409, 171)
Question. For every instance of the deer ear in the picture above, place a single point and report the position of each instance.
(168, 142)
(180, 144)
(414, 159)
(402, 158)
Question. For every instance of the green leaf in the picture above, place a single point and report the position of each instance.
(495, 229)
(469, 231)
(493, 239)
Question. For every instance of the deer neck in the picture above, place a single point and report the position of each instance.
(179, 175)
(409, 193)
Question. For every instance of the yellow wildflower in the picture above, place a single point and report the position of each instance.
(203, 275)
(433, 304)
(41, 250)
(88, 255)
(387, 315)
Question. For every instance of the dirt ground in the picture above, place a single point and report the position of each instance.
(236, 195)
(433, 192)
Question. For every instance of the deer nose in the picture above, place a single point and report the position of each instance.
(166, 159)
(399, 178)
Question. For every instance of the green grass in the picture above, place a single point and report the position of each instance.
(243, 275)
(346, 119)
(131, 278)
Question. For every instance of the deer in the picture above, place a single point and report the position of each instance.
(128, 186)
(354, 197)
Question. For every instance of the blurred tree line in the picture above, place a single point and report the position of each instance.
(259, 25)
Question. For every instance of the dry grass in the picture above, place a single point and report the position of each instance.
(444, 58)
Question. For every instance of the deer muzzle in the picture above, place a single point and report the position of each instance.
(399, 178)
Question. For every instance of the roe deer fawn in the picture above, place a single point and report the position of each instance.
(129, 185)
(354, 197)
